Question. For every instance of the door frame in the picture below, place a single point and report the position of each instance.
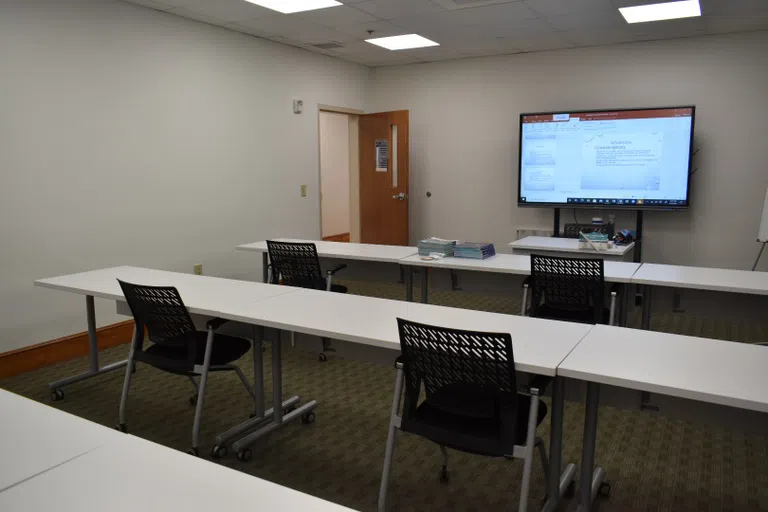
(354, 167)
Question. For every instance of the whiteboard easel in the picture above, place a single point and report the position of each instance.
(762, 235)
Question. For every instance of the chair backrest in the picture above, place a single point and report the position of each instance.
(568, 283)
(297, 264)
(441, 357)
(161, 310)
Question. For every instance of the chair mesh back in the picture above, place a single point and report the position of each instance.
(438, 356)
(161, 310)
(570, 283)
(296, 263)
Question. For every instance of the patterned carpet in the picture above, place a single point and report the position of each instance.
(653, 463)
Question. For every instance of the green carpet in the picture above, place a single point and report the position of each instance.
(653, 463)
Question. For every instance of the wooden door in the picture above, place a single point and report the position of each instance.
(384, 160)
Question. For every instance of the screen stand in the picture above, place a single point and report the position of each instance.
(556, 229)
(639, 237)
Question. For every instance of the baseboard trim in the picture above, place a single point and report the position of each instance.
(55, 351)
(341, 237)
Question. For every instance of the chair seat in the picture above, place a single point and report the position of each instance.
(225, 350)
(584, 316)
(465, 419)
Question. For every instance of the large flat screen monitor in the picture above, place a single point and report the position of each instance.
(632, 159)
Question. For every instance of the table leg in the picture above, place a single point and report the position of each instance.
(409, 284)
(424, 284)
(646, 324)
(278, 416)
(258, 372)
(558, 482)
(625, 298)
(93, 355)
(590, 478)
(277, 379)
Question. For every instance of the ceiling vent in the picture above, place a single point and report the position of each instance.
(329, 46)
(453, 5)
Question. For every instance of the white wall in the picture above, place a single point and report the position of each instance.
(464, 136)
(334, 173)
(130, 136)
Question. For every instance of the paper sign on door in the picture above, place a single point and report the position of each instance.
(382, 158)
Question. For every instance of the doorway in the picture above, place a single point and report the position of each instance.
(364, 170)
(339, 191)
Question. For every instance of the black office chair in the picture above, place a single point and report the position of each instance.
(570, 289)
(472, 403)
(297, 264)
(177, 346)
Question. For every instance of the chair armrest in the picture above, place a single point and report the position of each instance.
(614, 289)
(399, 362)
(538, 385)
(336, 269)
(215, 323)
(527, 282)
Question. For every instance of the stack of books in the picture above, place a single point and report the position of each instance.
(434, 245)
(477, 251)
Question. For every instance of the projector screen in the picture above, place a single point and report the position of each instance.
(610, 158)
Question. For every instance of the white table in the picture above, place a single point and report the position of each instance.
(35, 438)
(516, 264)
(558, 246)
(719, 372)
(344, 250)
(132, 474)
(202, 295)
(339, 250)
(538, 345)
(699, 278)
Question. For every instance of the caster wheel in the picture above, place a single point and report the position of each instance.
(57, 395)
(444, 475)
(605, 489)
(322, 357)
(193, 452)
(244, 455)
(193, 400)
(218, 452)
(308, 418)
(570, 491)
(122, 427)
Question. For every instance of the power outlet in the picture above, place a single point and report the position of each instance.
(303, 191)
(198, 269)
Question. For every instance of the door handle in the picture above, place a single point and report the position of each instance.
(400, 197)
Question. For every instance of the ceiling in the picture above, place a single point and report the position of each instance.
(464, 28)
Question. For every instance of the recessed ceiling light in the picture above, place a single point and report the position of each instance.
(402, 42)
(290, 6)
(665, 11)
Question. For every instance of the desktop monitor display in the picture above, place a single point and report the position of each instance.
(635, 159)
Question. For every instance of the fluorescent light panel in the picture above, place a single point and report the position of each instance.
(658, 12)
(404, 42)
(291, 6)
